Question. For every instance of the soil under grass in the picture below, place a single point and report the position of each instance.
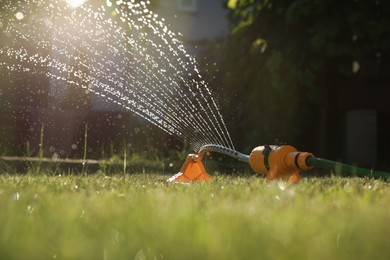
(140, 216)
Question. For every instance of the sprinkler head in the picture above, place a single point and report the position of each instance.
(279, 162)
(192, 170)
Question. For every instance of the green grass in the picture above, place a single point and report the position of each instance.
(236, 217)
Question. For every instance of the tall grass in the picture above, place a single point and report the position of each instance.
(236, 217)
(36, 167)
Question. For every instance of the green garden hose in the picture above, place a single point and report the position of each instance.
(345, 169)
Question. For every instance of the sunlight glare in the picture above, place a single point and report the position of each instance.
(75, 3)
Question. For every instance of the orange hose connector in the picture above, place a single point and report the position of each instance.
(279, 162)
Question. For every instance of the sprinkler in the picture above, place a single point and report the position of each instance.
(277, 162)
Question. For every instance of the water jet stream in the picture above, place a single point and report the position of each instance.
(130, 58)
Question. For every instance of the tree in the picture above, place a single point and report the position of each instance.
(284, 59)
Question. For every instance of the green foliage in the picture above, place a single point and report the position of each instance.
(141, 217)
(283, 56)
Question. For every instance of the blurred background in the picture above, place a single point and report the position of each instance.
(312, 74)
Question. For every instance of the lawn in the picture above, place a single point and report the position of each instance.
(140, 216)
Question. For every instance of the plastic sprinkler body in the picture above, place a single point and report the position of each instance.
(192, 170)
(279, 162)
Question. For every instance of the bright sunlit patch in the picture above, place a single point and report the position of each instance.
(232, 4)
(75, 3)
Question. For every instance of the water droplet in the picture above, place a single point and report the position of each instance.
(19, 15)
(355, 67)
(75, 3)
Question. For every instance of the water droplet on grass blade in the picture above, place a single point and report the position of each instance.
(282, 185)
(15, 196)
(30, 209)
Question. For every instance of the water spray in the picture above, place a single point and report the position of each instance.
(277, 162)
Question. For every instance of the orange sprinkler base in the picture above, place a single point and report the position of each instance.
(192, 170)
